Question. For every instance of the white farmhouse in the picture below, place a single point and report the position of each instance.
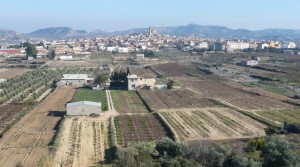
(83, 108)
(145, 81)
(249, 62)
(75, 79)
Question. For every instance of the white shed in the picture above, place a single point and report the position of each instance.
(83, 108)
(249, 62)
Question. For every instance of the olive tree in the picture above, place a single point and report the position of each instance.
(278, 152)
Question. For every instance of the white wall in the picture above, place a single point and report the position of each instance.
(83, 109)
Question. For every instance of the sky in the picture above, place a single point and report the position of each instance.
(112, 15)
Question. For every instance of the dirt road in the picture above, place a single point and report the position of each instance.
(27, 141)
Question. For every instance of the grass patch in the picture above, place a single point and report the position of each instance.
(100, 56)
(91, 95)
(115, 98)
(291, 115)
(273, 86)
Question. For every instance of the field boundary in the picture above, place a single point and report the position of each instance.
(172, 131)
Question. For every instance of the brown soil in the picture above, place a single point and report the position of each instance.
(27, 141)
(10, 73)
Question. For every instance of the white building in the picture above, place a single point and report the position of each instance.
(233, 46)
(140, 56)
(145, 81)
(249, 62)
(253, 45)
(75, 80)
(65, 57)
(263, 46)
(123, 50)
(83, 108)
(3, 80)
(203, 45)
(289, 45)
(111, 49)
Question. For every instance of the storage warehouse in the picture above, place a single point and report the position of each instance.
(83, 108)
(75, 80)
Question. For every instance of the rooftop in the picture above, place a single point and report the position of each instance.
(147, 75)
(84, 103)
(132, 76)
(75, 76)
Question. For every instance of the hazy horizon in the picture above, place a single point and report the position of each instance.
(30, 15)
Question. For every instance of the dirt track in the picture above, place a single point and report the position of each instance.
(27, 141)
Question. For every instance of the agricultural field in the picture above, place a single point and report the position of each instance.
(167, 99)
(139, 127)
(91, 95)
(6, 73)
(128, 102)
(173, 69)
(290, 115)
(82, 142)
(27, 141)
(211, 124)
(241, 98)
(30, 85)
(8, 113)
(60, 64)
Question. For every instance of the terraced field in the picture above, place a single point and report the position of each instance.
(27, 141)
(291, 115)
(139, 127)
(166, 99)
(128, 102)
(238, 97)
(212, 123)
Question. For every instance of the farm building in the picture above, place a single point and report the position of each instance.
(249, 62)
(145, 81)
(83, 108)
(140, 56)
(65, 57)
(2, 80)
(75, 80)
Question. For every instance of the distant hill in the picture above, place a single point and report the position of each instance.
(97, 33)
(58, 33)
(188, 30)
(223, 32)
(205, 31)
(9, 35)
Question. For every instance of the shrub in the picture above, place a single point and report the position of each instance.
(278, 152)
(255, 144)
(168, 147)
(239, 161)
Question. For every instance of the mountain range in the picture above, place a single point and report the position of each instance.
(188, 30)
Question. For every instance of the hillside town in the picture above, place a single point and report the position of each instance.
(150, 40)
